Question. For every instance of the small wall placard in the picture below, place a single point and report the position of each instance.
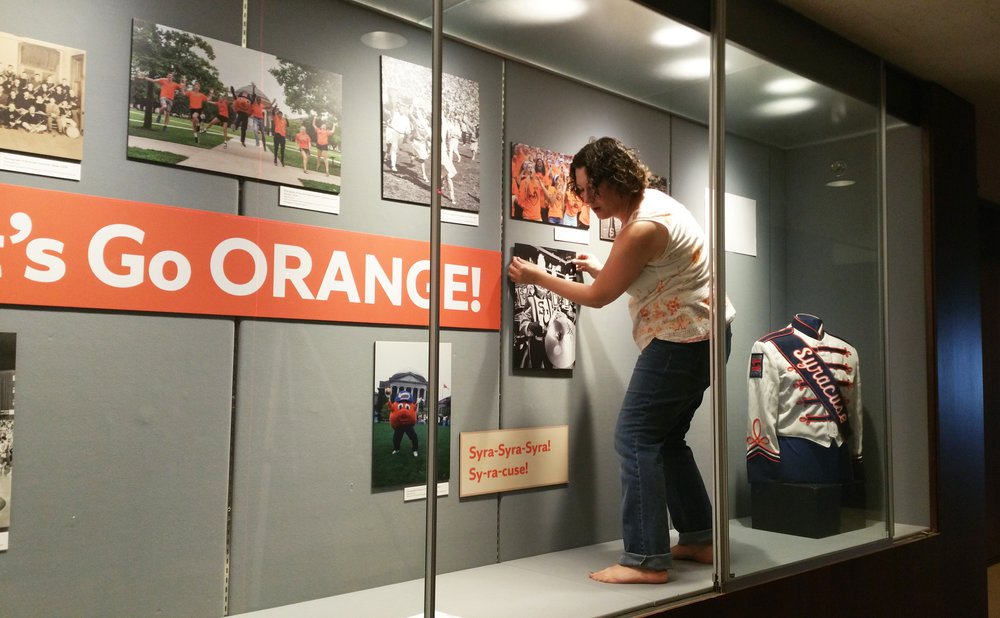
(511, 459)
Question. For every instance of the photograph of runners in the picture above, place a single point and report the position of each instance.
(544, 323)
(41, 97)
(212, 106)
(406, 136)
(539, 187)
(7, 359)
(401, 413)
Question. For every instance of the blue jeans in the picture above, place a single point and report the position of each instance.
(658, 470)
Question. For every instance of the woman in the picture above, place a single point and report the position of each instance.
(323, 143)
(659, 258)
(305, 146)
(222, 116)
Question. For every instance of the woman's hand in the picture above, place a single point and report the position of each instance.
(523, 271)
(588, 263)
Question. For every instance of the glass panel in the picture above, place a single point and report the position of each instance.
(563, 85)
(557, 97)
(803, 269)
(326, 492)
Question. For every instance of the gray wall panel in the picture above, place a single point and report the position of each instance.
(119, 486)
(586, 510)
(833, 253)
(123, 433)
(305, 522)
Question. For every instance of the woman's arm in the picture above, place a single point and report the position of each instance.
(635, 246)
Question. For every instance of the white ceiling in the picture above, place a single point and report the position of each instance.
(954, 43)
(667, 64)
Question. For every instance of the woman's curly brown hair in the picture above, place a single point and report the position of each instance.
(607, 159)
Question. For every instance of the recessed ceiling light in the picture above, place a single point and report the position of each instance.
(527, 12)
(383, 40)
(786, 107)
(788, 85)
(676, 35)
(687, 68)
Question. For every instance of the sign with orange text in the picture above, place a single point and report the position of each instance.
(67, 250)
(510, 459)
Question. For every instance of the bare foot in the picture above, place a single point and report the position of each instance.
(619, 574)
(698, 552)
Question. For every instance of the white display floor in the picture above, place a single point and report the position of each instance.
(556, 585)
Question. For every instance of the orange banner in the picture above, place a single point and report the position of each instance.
(67, 250)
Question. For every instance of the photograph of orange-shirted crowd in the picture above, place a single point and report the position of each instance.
(540, 188)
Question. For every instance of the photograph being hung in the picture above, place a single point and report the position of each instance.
(7, 358)
(401, 414)
(540, 188)
(41, 97)
(544, 330)
(406, 136)
(211, 106)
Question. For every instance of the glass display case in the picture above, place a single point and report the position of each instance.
(286, 437)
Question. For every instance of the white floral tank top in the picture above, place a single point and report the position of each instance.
(671, 297)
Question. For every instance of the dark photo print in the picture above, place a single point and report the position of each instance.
(8, 345)
(544, 323)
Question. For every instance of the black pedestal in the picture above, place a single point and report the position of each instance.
(807, 509)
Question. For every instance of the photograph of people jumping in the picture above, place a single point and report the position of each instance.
(212, 106)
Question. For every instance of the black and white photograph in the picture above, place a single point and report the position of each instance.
(540, 188)
(401, 414)
(212, 106)
(41, 97)
(610, 228)
(8, 346)
(544, 330)
(406, 136)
